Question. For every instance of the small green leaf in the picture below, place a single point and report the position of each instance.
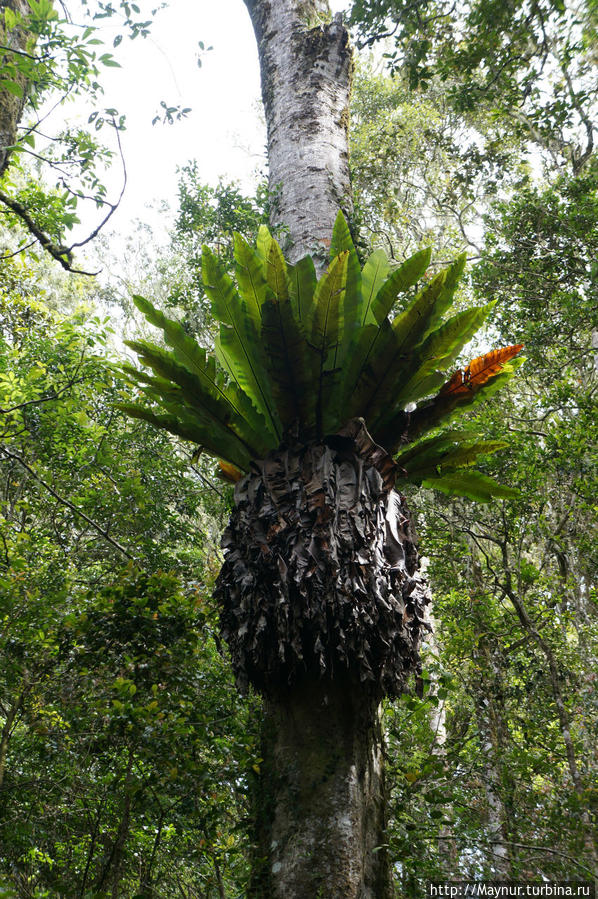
(12, 87)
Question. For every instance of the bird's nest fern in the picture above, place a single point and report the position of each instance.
(302, 356)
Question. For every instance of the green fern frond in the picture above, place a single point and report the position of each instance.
(472, 485)
(238, 348)
(302, 355)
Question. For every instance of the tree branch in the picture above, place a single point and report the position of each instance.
(113, 206)
(20, 250)
(42, 399)
(62, 254)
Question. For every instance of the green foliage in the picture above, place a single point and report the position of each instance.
(118, 717)
(543, 257)
(46, 58)
(506, 702)
(482, 751)
(528, 71)
(422, 174)
(309, 365)
(122, 733)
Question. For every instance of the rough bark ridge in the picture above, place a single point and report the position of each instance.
(306, 76)
(14, 41)
(320, 577)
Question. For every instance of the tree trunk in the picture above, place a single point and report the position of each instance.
(558, 690)
(491, 745)
(489, 706)
(447, 847)
(306, 64)
(564, 721)
(13, 43)
(318, 593)
(111, 870)
(7, 729)
(321, 796)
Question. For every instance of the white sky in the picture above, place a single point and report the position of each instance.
(224, 131)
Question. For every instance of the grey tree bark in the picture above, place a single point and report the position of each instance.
(447, 848)
(491, 742)
(306, 65)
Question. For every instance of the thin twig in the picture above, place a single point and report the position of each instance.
(20, 250)
(42, 399)
(113, 206)
(23, 53)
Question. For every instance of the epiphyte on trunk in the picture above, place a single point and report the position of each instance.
(320, 575)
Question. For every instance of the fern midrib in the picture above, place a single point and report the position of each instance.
(293, 386)
(251, 368)
(323, 352)
(220, 392)
(194, 401)
(372, 296)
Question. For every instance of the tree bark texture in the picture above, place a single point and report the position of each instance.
(12, 43)
(306, 65)
(447, 846)
(321, 790)
(491, 743)
(11, 715)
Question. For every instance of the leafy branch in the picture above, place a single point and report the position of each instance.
(15, 457)
(64, 254)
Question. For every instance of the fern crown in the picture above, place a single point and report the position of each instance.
(305, 356)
